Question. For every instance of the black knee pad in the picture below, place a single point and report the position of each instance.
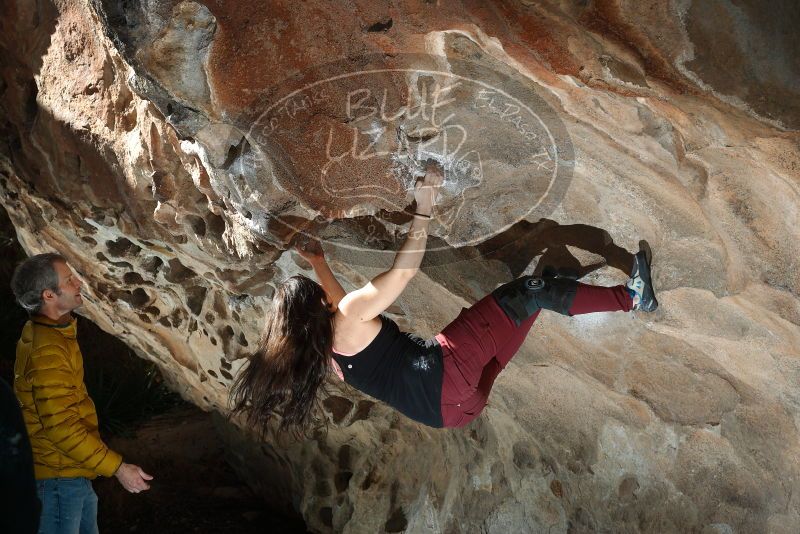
(524, 296)
(557, 294)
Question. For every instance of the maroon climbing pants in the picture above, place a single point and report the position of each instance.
(481, 341)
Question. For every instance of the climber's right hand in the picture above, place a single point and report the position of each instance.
(427, 188)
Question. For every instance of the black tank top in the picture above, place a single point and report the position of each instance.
(400, 369)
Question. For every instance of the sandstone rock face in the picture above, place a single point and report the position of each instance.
(147, 142)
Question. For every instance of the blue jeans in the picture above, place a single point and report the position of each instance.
(69, 506)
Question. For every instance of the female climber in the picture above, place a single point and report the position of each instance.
(314, 329)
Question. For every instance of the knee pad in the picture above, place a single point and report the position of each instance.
(523, 297)
(557, 294)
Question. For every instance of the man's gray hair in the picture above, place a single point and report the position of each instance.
(32, 277)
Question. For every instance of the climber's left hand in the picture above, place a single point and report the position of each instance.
(311, 250)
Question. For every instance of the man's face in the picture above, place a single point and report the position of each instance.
(70, 287)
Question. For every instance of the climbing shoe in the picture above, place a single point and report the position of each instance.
(640, 284)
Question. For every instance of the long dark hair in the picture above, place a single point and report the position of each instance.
(284, 375)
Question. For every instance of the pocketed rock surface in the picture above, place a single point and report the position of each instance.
(130, 145)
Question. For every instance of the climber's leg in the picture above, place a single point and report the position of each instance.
(481, 341)
(469, 344)
(588, 299)
(478, 333)
(456, 415)
(591, 299)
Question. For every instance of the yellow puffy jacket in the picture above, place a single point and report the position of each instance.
(60, 416)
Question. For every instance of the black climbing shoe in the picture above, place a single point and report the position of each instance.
(642, 284)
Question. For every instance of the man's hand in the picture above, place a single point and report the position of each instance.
(132, 478)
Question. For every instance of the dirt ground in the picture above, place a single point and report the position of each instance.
(194, 489)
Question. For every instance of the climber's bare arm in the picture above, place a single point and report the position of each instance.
(312, 251)
(329, 283)
(369, 301)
